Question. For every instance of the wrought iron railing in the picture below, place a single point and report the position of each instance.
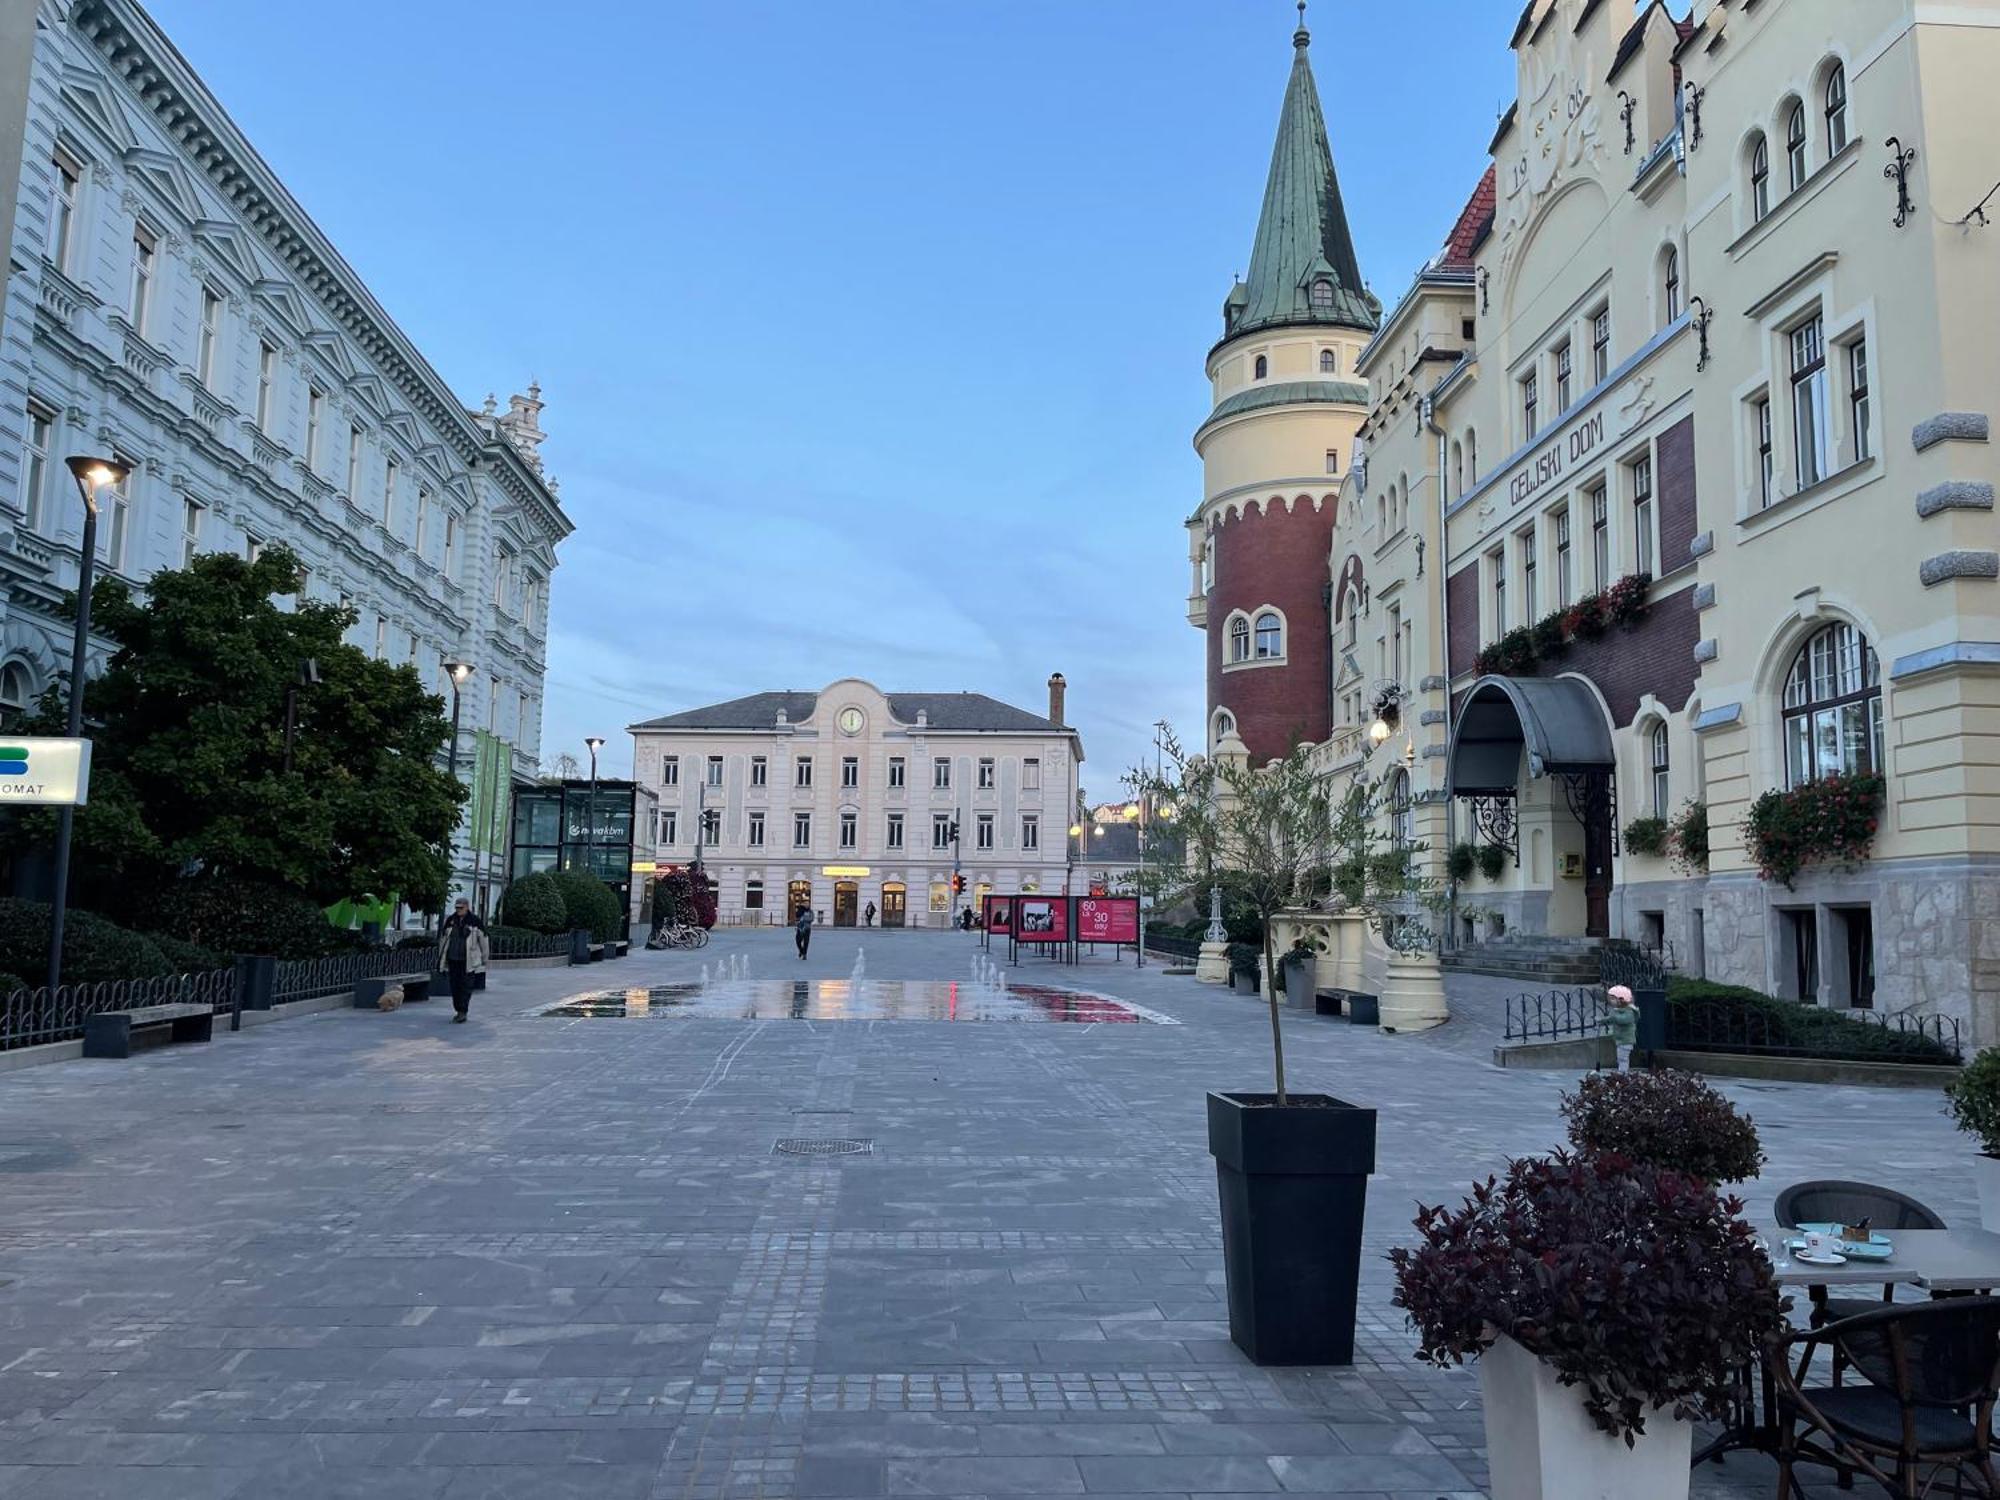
(1172, 944)
(1789, 1028)
(1553, 1014)
(541, 945)
(31, 1017)
(316, 978)
(1636, 968)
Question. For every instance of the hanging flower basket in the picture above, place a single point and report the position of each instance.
(1829, 821)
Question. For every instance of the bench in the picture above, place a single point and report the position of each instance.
(618, 948)
(109, 1032)
(368, 992)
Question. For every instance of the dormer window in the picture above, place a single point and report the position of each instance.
(1322, 295)
(1261, 368)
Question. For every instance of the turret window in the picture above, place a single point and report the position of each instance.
(1261, 368)
(1239, 639)
(1328, 364)
(1270, 637)
(1322, 295)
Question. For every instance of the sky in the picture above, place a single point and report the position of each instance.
(871, 331)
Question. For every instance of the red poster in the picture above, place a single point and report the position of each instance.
(999, 913)
(1107, 919)
(1041, 919)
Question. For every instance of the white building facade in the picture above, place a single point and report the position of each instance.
(848, 799)
(171, 305)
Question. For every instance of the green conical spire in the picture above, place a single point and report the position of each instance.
(1302, 239)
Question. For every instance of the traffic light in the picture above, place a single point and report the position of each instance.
(958, 885)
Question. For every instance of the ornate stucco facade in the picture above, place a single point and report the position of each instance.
(846, 798)
(172, 305)
(1706, 339)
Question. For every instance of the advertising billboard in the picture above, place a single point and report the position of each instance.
(1107, 919)
(1041, 919)
(999, 913)
(45, 772)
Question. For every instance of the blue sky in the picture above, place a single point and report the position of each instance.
(871, 332)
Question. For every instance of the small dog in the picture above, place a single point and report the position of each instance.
(392, 999)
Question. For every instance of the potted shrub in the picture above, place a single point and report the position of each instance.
(1664, 1119)
(1492, 861)
(1974, 1101)
(1460, 861)
(1301, 974)
(1689, 838)
(1647, 836)
(1610, 1305)
(1242, 968)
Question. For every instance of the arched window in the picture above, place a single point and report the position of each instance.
(1836, 110)
(1261, 368)
(1322, 295)
(1225, 724)
(1328, 365)
(1760, 178)
(1351, 611)
(1270, 637)
(1795, 146)
(1661, 792)
(1670, 282)
(1239, 639)
(1402, 819)
(1833, 707)
(14, 694)
(1471, 456)
(1457, 470)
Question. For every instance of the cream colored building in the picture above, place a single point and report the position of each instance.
(1703, 331)
(851, 797)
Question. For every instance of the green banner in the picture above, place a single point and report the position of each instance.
(492, 780)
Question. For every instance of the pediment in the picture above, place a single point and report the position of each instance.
(95, 101)
(231, 246)
(368, 388)
(167, 178)
(332, 348)
(405, 427)
(282, 300)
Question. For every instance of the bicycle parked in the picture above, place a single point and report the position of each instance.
(679, 936)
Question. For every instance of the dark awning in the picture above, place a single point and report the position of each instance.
(1555, 720)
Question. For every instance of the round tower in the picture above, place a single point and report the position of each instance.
(1276, 444)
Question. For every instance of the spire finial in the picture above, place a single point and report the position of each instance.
(1301, 37)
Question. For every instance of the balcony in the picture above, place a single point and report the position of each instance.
(208, 411)
(62, 299)
(1197, 611)
(142, 359)
(268, 456)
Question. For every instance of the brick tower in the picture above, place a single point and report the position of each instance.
(1276, 444)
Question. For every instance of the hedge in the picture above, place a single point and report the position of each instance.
(535, 902)
(186, 957)
(93, 949)
(1811, 1029)
(589, 902)
(236, 916)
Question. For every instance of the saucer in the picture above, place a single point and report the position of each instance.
(1833, 1259)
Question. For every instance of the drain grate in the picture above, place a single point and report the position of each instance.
(825, 1145)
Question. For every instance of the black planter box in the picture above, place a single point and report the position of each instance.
(1363, 1010)
(1294, 1189)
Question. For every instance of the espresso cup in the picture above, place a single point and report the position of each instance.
(1821, 1244)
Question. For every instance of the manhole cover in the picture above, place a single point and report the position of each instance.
(830, 1145)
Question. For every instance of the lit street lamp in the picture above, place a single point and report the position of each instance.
(593, 743)
(93, 477)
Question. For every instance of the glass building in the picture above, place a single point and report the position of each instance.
(554, 829)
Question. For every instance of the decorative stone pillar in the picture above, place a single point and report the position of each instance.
(1413, 993)
(1212, 966)
(1350, 942)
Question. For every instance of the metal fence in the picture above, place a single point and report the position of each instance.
(316, 978)
(29, 1018)
(1175, 947)
(1553, 1014)
(1636, 968)
(541, 945)
(1789, 1028)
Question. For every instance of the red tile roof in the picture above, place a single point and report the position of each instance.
(1475, 222)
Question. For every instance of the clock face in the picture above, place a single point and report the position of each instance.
(850, 721)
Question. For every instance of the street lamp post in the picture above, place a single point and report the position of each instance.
(592, 743)
(458, 672)
(93, 477)
(1075, 852)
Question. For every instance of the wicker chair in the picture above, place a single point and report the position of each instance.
(1849, 1203)
(1932, 1369)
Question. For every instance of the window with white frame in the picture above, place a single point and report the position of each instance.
(114, 509)
(753, 895)
(1524, 545)
(988, 774)
(1670, 282)
(1600, 538)
(1333, 460)
(1562, 376)
(895, 831)
(382, 651)
(802, 830)
(253, 546)
(391, 471)
(1239, 639)
(713, 770)
(1394, 632)
(941, 773)
(670, 770)
(267, 376)
(315, 418)
(1760, 178)
(711, 828)
(1640, 471)
(1402, 814)
(451, 546)
(1795, 146)
(1031, 774)
(1810, 401)
(940, 830)
(1260, 368)
(1531, 401)
(209, 336)
(1351, 612)
(670, 826)
(753, 829)
(423, 519)
(1270, 637)
(35, 466)
(1600, 344)
(1031, 833)
(192, 511)
(1832, 707)
(1657, 742)
(1496, 564)
(1836, 110)
(896, 771)
(983, 831)
(760, 771)
(1565, 565)
(354, 466)
(1328, 364)
(1225, 724)
(850, 830)
(1857, 398)
(850, 771)
(1760, 426)
(503, 576)
(65, 179)
(145, 260)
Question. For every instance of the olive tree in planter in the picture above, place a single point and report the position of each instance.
(1610, 1304)
(1974, 1101)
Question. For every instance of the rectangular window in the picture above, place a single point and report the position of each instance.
(35, 466)
(711, 829)
(1766, 474)
(1531, 385)
(1562, 376)
(113, 509)
(670, 825)
(267, 375)
(145, 256)
(1600, 539)
(1809, 402)
(1031, 774)
(760, 771)
(1642, 515)
(941, 774)
(253, 547)
(984, 831)
(503, 577)
(802, 830)
(210, 336)
(670, 770)
(1496, 563)
(354, 466)
(753, 895)
(940, 830)
(802, 771)
(1600, 344)
(895, 770)
(1333, 460)
(895, 840)
(390, 472)
(850, 771)
(1565, 568)
(986, 773)
(1857, 398)
(850, 830)
(451, 546)
(382, 652)
(315, 410)
(715, 770)
(1395, 633)
(66, 176)
(191, 514)
(1524, 545)
(1031, 834)
(423, 519)
(754, 830)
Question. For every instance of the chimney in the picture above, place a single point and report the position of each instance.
(1057, 687)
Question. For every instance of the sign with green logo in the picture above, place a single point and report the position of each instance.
(44, 772)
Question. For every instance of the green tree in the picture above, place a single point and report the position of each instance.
(187, 723)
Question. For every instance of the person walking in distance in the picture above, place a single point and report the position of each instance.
(868, 915)
(1621, 1024)
(462, 952)
(802, 930)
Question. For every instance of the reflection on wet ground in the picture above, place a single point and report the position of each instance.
(856, 1000)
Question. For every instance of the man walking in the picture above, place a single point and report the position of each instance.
(462, 952)
(803, 929)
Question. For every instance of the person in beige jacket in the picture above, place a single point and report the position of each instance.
(462, 952)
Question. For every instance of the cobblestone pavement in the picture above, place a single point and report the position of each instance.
(378, 1255)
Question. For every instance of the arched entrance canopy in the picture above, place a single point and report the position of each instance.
(1555, 719)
